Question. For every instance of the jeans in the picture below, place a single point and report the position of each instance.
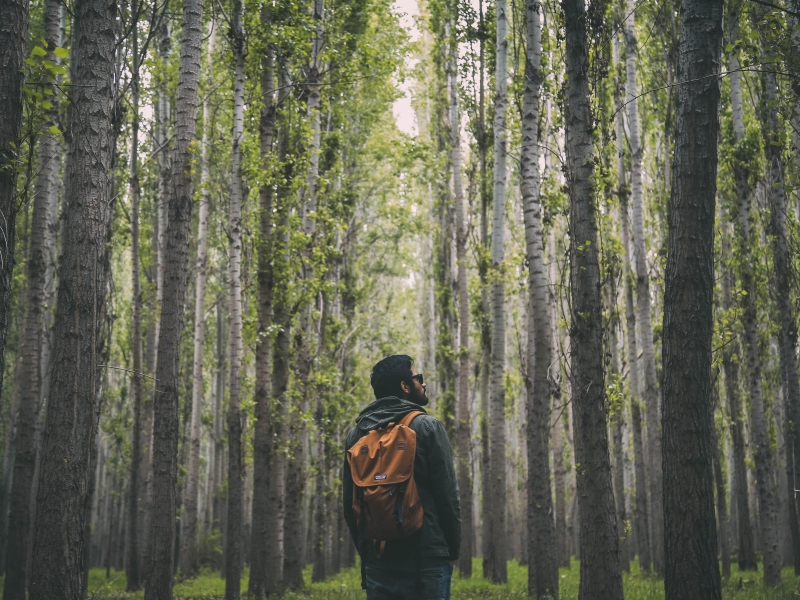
(431, 583)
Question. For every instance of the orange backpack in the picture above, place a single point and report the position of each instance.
(385, 497)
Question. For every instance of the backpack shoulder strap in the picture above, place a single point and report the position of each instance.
(406, 420)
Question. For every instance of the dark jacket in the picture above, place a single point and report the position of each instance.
(440, 536)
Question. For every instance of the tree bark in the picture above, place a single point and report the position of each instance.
(793, 63)
(296, 469)
(730, 367)
(599, 547)
(560, 414)
(762, 453)
(280, 360)
(485, 321)
(782, 258)
(233, 550)
(617, 425)
(496, 542)
(651, 399)
(321, 541)
(692, 570)
(640, 513)
(463, 417)
(13, 37)
(723, 527)
(188, 557)
(161, 142)
(33, 336)
(542, 561)
(132, 575)
(219, 517)
(267, 532)
(176, 263)
(58, 557)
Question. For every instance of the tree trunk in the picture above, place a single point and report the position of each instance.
(132, 575)
(558, 408)
(782, 258)
(320, 540)
(617, 426)
(219, 429)
(189, 552)
(640, 513)
(793, 63)
(730, 366)
(723, 527)
(233, 550)
(599, 547)
(495, 503)
(33, 334)
(692, 570)
(280, 362)
(176, 259)
(651, 399)
(92, 486)
(57, 564)
(485, 321)
(762, 453)
(5, 483)
(267, 533)
(296, 470)
(164, 177)
(542, 561)
(13, 37)
(463, 417)
(161, 143)
(617, 414)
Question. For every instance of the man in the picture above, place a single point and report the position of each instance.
(418, 567)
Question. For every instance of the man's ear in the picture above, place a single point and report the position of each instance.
(404, 386)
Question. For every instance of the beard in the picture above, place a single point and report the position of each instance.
(420, 399)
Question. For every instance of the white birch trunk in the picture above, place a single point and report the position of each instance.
(463, 417)
(542, 561)
(189, 533)
(497, 443)
(762, 451)
(651, 394)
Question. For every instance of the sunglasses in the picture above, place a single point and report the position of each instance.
(419, 378)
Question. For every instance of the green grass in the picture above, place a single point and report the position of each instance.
(347, 586)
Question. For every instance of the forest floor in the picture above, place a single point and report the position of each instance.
(347, 586)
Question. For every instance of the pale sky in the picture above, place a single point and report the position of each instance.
(403, 113)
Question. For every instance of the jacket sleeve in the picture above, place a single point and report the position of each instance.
(445, 494)
(347, 500)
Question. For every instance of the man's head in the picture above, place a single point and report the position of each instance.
(393, 376)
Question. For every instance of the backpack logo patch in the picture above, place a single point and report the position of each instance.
(401, 445)
(380, 477)
(364, 449)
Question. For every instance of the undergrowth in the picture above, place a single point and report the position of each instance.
(347, 586)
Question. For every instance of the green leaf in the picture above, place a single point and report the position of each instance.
(38, 51)
(30, 61)
(46, 104)
(61, 52)
(728, 48)
(54, 130)
(58, 70)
